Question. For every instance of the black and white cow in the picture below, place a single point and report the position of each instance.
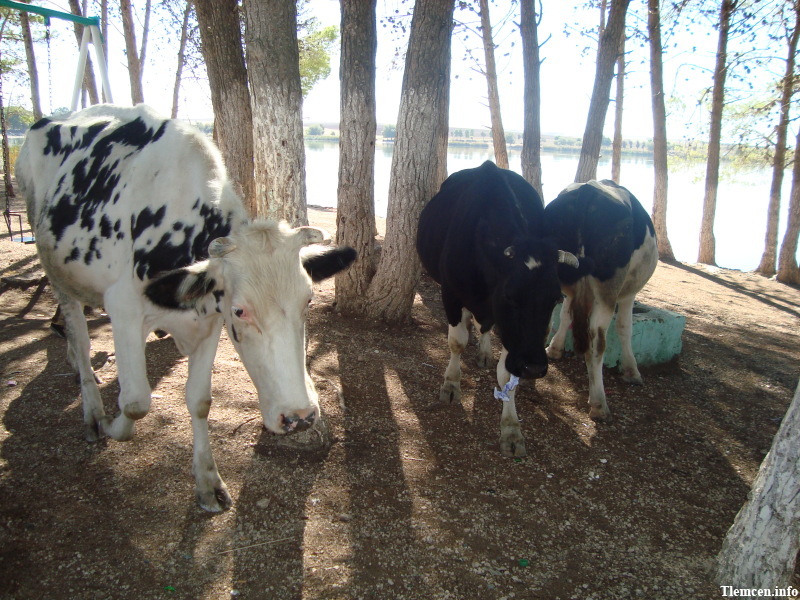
(135, 213)
(481, 237)
(612, 235)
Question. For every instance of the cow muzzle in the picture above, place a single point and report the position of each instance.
(526, 369)
(533, 371)
(297, 422)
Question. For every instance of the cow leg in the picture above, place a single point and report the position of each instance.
(127, 326)
(457, 339)
(211, 492)
(598, 327)
(630, 370)
(556, 348)
(79, 356)
(485, 348)
(511, 441)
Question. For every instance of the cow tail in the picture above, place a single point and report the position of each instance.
(580, 310)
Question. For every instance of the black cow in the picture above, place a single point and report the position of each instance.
(607, 228)
(481, 238)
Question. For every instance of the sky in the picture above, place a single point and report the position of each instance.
(567, 75)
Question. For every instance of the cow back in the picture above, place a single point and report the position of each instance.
(122, 192)
(599, 221)
(481, 206)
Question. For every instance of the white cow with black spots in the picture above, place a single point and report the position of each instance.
(608, 229)
(135, 213)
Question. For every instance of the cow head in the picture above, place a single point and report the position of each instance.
(260, 282)
(525, 291)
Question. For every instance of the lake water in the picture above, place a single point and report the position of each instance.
(741, 217)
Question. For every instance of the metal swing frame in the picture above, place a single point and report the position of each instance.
(91, 33)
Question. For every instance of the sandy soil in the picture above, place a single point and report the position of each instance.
(411, 500)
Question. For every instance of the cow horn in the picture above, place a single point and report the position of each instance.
(219, 247)
(568, 258)
(311, 235)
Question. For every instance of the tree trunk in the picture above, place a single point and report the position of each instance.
(660, 168)
(273, 68)
(598, 106)
(769, 258)
(355, 213)
(221, 45)
(417, 163)
(498, 134)
(33, 72)
(145, 33)
(89, 83)
(616, 145)
(707, 253)
(787, 259)
(181, 52)
(760, 548)
(532, 132)
(134, 68)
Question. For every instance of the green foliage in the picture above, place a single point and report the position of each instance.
(390, 131)
(18, 119)
(315, 59)
(315, 130)
(510, 137)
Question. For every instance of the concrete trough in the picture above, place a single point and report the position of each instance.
(656, 336)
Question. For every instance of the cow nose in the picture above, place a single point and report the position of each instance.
(534, 371)
(296, 422)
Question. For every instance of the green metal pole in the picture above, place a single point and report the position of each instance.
(47, 13)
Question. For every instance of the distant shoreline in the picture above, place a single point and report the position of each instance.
(487, 145)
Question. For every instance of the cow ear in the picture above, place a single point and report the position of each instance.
(321, 265)
(305, 236)
(219, 247)
(182, 288)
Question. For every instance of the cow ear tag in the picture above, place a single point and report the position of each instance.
(509, 252)
(219, 247)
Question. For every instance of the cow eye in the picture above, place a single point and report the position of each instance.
(238, 312)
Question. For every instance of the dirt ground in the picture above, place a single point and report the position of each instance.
(411, 500)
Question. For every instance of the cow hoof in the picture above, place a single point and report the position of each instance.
(600, 415)
(93, 432)
(215, 500)
(513, 445)
(554, 353)
(450, 392)
(632, 378)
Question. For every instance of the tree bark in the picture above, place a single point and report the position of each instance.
(145, 34)
(418, 161)
(660, 166)
(276, 99)
(355, 213)
(532, 129)
(769, 258)
(181, 53)
(134, 68)
(598, 106)
(787, 259)
(498, 133)
(616, 144)
(760, 548)
(707, 253)
(221, 45)
(89, 83)
(33, 72)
